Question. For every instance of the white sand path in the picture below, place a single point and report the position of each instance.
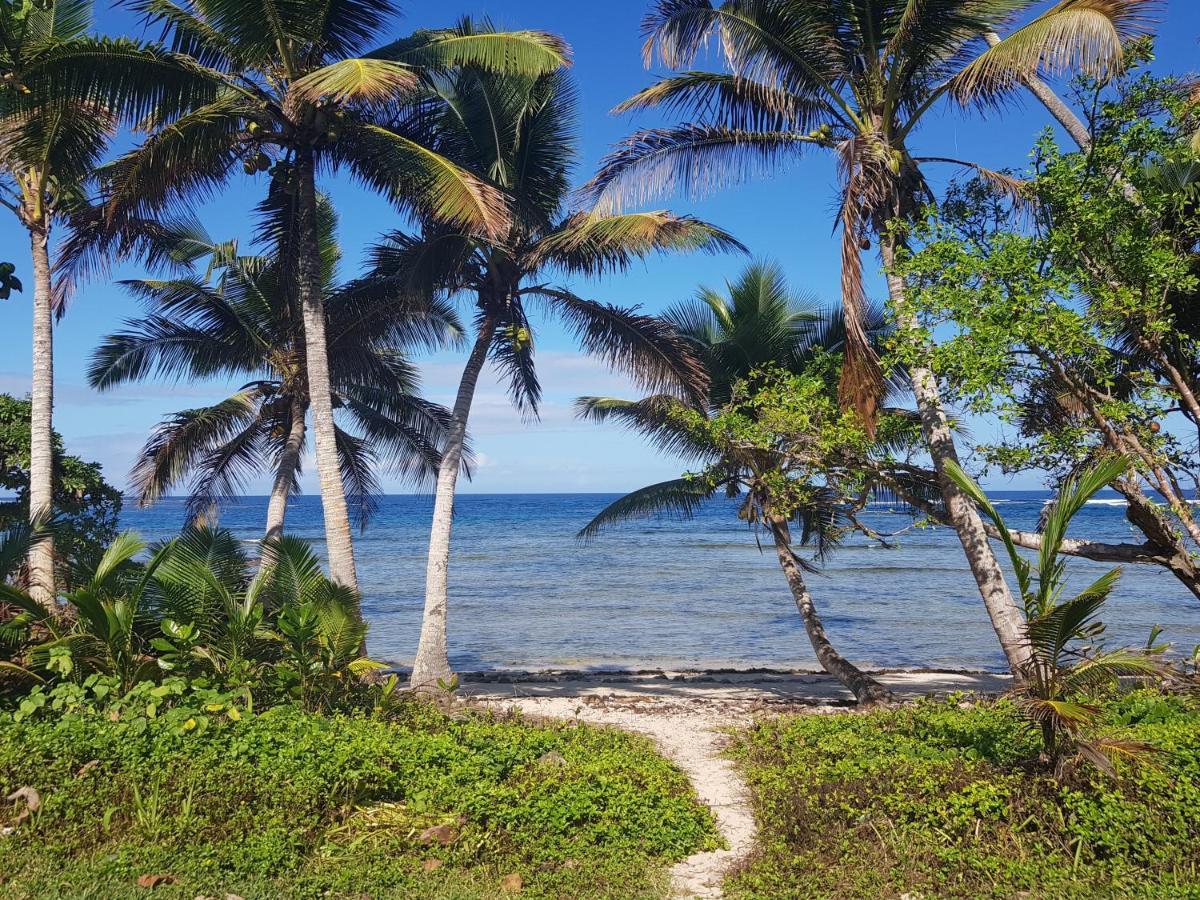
(688, 716)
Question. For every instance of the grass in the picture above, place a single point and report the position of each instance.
(292, 804)
(938, 800)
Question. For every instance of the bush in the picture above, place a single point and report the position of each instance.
(940, 800)
(289, 803)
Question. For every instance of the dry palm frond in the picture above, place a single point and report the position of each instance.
(369, 80)
(1074, 35)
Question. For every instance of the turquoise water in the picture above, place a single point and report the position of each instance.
(525, 594)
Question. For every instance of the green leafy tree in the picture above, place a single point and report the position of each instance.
(521, 133)
(784, 447)
(856, 79)
(1077, 326)
(771, 431)
(243, 318)
(88, 508)
(295, 88)
(1065, 669)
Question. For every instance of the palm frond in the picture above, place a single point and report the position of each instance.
(593, 244)
(644, 347)
(1080, 35)
(530, 53)
(363, 80)
(693, 159)
(656, 418)
(416, 177)
(679, 498)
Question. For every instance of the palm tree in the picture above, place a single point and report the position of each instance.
(296, 89)
(520, 132)
(47, 151)
(758, 327)
(856, 79)
(246, 321)
(1063, 676)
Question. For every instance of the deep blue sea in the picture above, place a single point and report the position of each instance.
(525, 594)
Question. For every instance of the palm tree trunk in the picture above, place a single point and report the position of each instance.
(339, 546)
(285, 473)
(433, 661)
(41, 421)
(866, 689)
(1002, 609)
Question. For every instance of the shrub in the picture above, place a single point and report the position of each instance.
(288, 803)
(938, 800)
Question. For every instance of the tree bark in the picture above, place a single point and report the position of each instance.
(288, 468)
(339, 545)
(1006, 617)
(866, 689)
(41, 421)
(432, 661)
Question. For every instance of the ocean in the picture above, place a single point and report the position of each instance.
(698, 594)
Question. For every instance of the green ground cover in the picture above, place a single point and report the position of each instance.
(938, 800)
(296, 804)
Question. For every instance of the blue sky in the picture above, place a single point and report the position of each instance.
(787, 218)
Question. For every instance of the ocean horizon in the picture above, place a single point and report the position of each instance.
(526, 595)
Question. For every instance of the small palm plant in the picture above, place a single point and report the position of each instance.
(1067, 666)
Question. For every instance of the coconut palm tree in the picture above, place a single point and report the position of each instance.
(520, 132)
(759, 326)
(47, 151)
(856, 79)
(246, 321)
(296, 89)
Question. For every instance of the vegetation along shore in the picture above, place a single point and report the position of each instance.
(897, 598)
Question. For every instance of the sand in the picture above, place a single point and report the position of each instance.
(689, 715)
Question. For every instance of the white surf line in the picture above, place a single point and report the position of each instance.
(687, 734)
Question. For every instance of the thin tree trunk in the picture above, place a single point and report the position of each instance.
(433, 661)
(339, 545)
(1002, 609)
(865, 688)
(289, 466)
(41, 422)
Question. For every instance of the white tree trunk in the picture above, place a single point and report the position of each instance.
(339, 545)
(1007, 619)
(285, 473)
(41, 424)
(432, 661)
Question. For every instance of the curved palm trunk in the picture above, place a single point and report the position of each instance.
(1002, 609)
(339, 545)
(285, 472)
(433, 661)
(865, 688)
(41, 423)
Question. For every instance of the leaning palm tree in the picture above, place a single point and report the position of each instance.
(520, 132)
(747, 337)
(243, 318)
(47, 152)
(856, 79)
(294, 88)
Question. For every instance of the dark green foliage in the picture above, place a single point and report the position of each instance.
(87, 507)
(290, 804)
(195, 608)
(935, 800)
